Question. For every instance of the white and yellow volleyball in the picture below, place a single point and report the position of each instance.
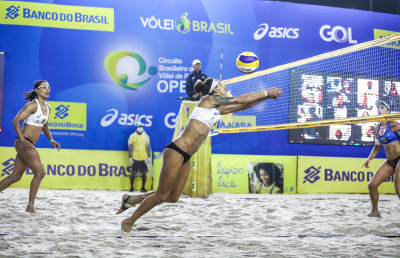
(247, 62)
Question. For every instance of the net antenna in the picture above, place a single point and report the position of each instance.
(335, 88)
(220, 71)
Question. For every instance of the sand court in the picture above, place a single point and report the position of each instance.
(82, 223)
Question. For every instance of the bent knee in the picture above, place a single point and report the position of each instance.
(15, 178)
(372, 186)
(39, 175)
(161, 198)
(173, 199)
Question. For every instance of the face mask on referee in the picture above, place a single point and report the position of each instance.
(139, 129)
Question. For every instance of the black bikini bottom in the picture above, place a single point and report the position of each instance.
(185, 156)
(29, 140)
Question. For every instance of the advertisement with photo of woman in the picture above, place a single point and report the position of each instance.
(265, 178)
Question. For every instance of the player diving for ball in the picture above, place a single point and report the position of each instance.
(175, 169)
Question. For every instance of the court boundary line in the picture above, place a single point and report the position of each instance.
(207, 236)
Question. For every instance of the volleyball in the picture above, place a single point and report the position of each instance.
(247, 62)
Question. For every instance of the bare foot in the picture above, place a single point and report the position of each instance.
(30, 208)
(375, 214)
(126, 226)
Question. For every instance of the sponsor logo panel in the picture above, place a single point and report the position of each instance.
(56, 16)
(125, 119)
(338, 175)
(275, 32)
(312, 174)
(74, 169)
(67, 116)
(384, 33)
(182, 24)
(337, 33)
(111, 63)
(231, 121)
(8, 167)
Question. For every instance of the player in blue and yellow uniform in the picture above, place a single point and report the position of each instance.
(387, 134)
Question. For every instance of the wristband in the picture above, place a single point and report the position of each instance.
(266, 94)
(52, 140)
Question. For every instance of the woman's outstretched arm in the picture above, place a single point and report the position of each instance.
(245, 101)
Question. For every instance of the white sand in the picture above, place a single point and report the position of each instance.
(82, 223)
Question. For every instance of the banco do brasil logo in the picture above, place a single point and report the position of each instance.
(12, 12)
(312, 174)
(111, 63)
(182, 23)
(8, 167)
(62, 111)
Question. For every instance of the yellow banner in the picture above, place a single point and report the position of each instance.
(231, 121)
(56, 16)
(67, 115)
(244, 174)
(76, 169)
(157, 164)
(384, 33)
(338, 175)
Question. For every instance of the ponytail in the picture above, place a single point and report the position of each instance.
(203, 88)
(29, 96)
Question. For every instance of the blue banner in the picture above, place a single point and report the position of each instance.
(136, 71)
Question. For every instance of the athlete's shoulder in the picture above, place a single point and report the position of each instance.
(31, 105)
(32, 102)
(394, 125)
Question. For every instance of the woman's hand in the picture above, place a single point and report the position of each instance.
(28, 146)
(274, 93)
(56, 145)
(366, 163)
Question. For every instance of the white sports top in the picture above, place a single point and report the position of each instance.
(208, 116)
(37, 118)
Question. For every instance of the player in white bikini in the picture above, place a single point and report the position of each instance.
(35, 114)
(175, 169)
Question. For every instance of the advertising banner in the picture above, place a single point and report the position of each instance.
(56, 16)
(67, 115)
(128, 61)
(76, 169)
(254, 174)
(338, 175)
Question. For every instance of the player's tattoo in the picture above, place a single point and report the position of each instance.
(397, 131)
(224, 100)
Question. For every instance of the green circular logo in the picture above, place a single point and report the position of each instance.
(111, 63)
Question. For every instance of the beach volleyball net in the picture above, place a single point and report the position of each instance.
(336, 88)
